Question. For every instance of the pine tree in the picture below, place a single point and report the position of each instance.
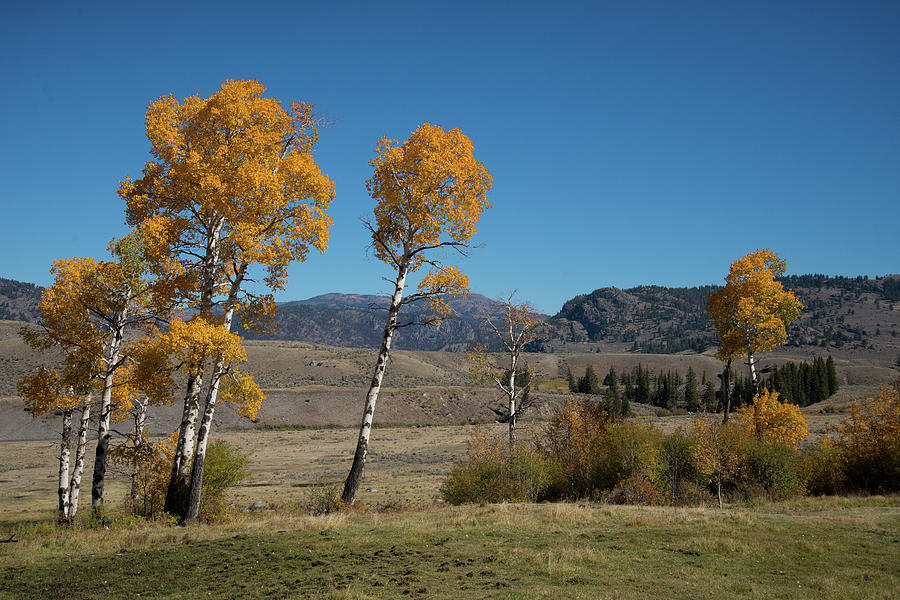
(832, 376)
(691, 393)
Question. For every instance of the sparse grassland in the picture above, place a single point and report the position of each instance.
(824, 548)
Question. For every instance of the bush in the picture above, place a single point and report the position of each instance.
(638, 489)
(868, 443)
(776, 468)
(625, 450)
(572, 438)
(773, 421)
(225, 466)
(150, 464)
(823, 470)
(495, 471)
(679, 466)
(325, 498)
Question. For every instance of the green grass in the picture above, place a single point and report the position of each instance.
(821, 548)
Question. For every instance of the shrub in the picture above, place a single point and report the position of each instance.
(638, 489)
(719, 452)
(823, 469)
(776, 468)
(225, 466)
(325, 498)
(572, 438)
(626, 450)
(773, 421)
(868, 443)
(678, 465)
(495, 471)
(150, 464)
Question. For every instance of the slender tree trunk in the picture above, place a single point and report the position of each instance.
(140, 416)
(719, 489)
(178, 492)
(64, 465)
(179, 479)
(354, 478)
(726, 390)
(193, 508)
(751, 362)
(78, 467)
(512, 399)
(101, 457)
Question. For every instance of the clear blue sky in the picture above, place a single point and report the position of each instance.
(630, 143)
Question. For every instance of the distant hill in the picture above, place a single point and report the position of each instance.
(357, 321)
(853, 315)
(858, 314)
(18, 300)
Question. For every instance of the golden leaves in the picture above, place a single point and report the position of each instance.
(752, 312)
(428, 187)
(873, 426)
(773, 421)
(240, 388)
(46, 390)
(235, 168)
(439, 286)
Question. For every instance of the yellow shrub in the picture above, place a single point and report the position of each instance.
(773, 421)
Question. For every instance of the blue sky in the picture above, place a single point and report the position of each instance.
(630, 143)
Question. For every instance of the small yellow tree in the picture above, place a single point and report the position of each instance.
(752, 312)
(719, 451)
(773, 421)
(516, 329)
(49, 390)
(430, 192)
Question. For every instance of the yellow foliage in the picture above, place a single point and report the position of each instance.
(873, 427)
(441, 284)
(720, 448)
(45, 391)
(240, 388)
(773, 421)
(752, 312)
(235, 167)
(427, 187)
(195, 341)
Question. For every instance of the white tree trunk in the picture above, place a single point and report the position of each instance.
(101, 457)
(140, 416)
(512, 398)
(751, 362)
(354, 478)
(178, 493)
(78, 467)
(64, 465)
(193, 509)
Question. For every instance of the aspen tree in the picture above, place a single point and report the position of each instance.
(232, 189)
(752, 312)
(429, 192)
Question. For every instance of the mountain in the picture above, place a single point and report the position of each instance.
(858, 314)
(357, 321)
(18, 300)
(853, 315)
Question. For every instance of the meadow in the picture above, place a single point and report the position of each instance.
(402, 541)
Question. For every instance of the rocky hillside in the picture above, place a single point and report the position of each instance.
(851, 315)
(18, 300)
(854, 314)
(357, 321)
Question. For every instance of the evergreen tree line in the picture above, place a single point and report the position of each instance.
(806, 383)
(798, 383)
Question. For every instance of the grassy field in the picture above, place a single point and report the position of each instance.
(823, 548)
(404, 543)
